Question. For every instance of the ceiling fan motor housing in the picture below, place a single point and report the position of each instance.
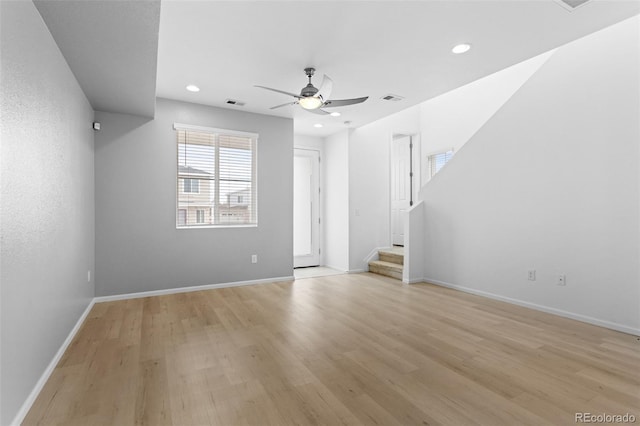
(308, 90)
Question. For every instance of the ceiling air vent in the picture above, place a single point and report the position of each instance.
(234, 102)
(570, 5)
(394, 98)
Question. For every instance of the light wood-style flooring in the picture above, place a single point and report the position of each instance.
(343, 349)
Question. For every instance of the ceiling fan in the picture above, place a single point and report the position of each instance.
(313, 99)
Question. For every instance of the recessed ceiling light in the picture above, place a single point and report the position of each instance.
(461, 48)
(193, 88)
(335, 114)
(318, 125)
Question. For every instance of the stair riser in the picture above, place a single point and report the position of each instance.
(386, 272)
(392, 257)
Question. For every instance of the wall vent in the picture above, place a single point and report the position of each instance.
(234, 102)
(390, 97)
(571, 5)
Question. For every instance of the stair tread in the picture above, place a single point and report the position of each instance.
(391, 256)
(389, 265)
(391, 251)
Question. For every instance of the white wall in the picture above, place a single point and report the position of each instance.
(138, 247)
(335, 171)
(369, 197)
(551, 183)
(450, 120)
(47, 206)
(307, 141)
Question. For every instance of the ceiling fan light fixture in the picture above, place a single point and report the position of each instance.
(310, 102)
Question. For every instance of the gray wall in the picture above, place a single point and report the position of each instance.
(138, 247)
(47, 206)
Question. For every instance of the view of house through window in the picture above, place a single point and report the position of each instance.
(436, 161)
(216, 177)
(191, 185)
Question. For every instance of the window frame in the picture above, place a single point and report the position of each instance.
(253, 205)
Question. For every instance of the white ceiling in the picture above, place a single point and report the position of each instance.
(367, 47)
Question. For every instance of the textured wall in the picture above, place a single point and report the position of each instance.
(47, 205)
(138, 247)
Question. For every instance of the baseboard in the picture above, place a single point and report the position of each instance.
(26, 406)
(356, 271)
(115, 297)
(542, 308)
(414, 281)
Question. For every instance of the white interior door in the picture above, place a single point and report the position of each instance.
(306, 208)
(400, 187)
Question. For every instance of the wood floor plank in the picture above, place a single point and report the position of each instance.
(355, 349)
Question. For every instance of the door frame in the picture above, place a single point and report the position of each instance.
(416, 166)
(316, 233)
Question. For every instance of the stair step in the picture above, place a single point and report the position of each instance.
(389, 269)
(391, 256)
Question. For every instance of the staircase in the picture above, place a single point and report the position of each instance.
(390, 262)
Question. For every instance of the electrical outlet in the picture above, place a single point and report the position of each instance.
(562, 279)
(531, 274)
(254, 258)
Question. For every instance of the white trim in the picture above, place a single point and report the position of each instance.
(373, 255)
(126, 296)
(178, 126)
(542, 308)
(26, 406)
(212, 226)
(356, 271)
(440, 151)
(413, 281)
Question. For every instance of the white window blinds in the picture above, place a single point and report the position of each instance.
(437, 161)
(216, 184)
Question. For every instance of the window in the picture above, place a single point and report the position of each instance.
(437, 161)
(216, 177)
(200, 216)
(191, 185)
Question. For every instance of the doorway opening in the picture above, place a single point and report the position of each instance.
(306, 208)
(404, 182)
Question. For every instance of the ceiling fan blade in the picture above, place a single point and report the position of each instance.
(325, 87)
(318, 111)
(280, 106)
(279, 91)
(343, 102)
